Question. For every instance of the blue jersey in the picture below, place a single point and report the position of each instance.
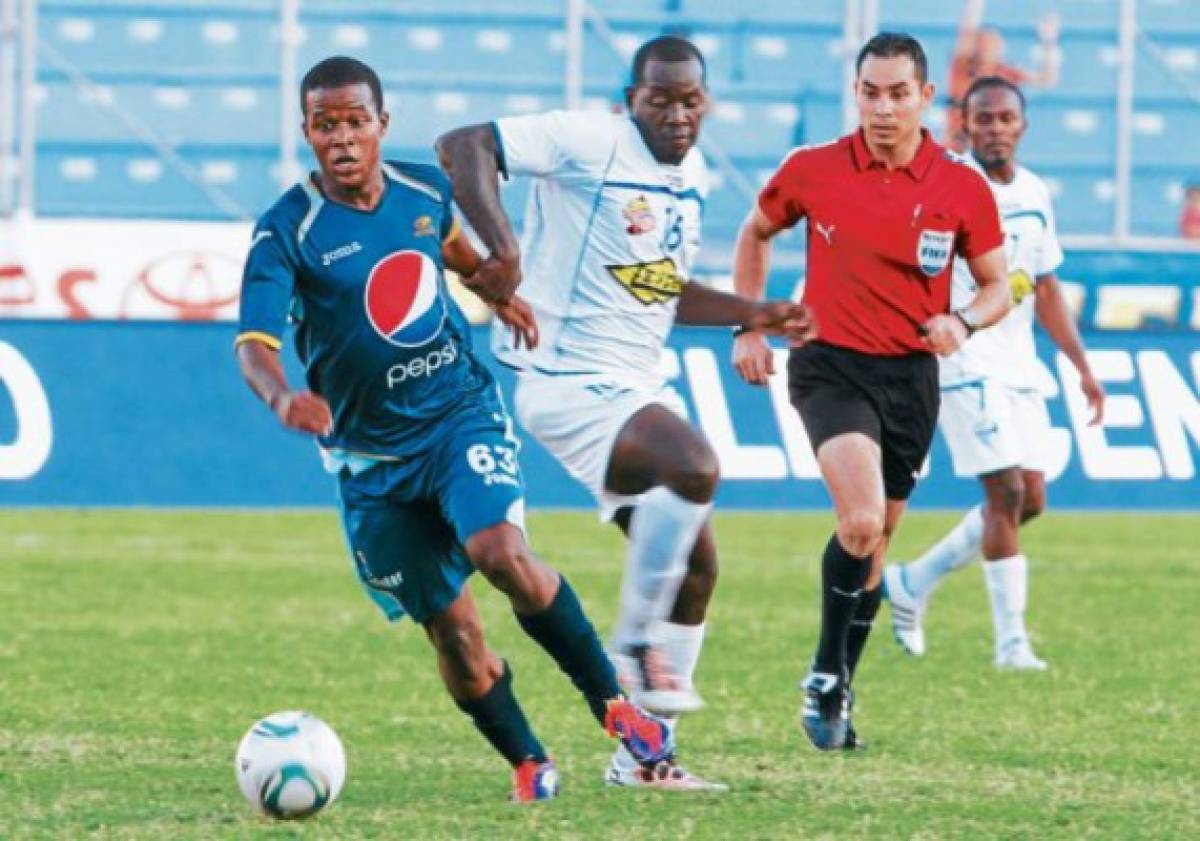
(378, 334)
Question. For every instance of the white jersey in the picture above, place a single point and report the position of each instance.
(1006, 351)
(610, 238)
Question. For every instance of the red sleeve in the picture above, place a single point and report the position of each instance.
(981, 231)
(780, 200)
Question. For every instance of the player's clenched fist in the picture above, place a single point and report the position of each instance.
(303, 411)
(783, 318)
(944, 334)
(496, 279)
(753, 358)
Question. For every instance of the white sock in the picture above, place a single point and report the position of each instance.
(662, 533)
(1008, 584)
(956, 549)
(680, 645)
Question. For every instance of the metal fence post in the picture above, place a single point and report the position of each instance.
(8, 108)
(573, 51)
(27, 84)
(1123, 176)
(289, 113)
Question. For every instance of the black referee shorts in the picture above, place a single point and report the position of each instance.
(891, 399)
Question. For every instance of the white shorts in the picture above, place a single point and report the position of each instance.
(990, 426)
(577, 417)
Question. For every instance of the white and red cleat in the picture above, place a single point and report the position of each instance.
(665, 775)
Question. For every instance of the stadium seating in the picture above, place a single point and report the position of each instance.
(203, 79)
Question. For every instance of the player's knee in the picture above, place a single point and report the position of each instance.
(1032, 505)
(859, 531)
(695, 477)
(503, 559)
(1006, 496)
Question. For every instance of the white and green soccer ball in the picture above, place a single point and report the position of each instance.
(290, 765)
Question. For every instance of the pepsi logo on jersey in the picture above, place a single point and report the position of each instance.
(403, 300)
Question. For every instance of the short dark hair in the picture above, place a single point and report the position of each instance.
(341, 71)
(892, 44)
(986, 82)
(666, 48)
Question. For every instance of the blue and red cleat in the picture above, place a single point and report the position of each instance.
(533, 781)
(647, 738)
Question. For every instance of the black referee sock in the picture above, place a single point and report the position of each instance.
(500, 719)
(842, 579)
(860, 627)
(564, 631)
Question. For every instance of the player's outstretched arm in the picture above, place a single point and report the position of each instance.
(302, 411)
(1056, 318)
(470, 158)
(700, 305)
(752, 355)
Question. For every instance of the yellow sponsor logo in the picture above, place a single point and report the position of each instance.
(650, 283)
(1021, 285)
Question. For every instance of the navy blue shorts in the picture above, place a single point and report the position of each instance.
(406, 522)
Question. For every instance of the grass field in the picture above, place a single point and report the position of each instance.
(136, 647)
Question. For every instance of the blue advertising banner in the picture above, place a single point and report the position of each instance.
(153, 413)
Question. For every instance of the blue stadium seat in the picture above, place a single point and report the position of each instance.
(827, 12)
(1083, 197)
(792, 57)
(398, 48)
(1066, 132)
(750, 128)
(197, 112)
(1157, 200)
(179, 39)
(123, 180)
(1166, 135)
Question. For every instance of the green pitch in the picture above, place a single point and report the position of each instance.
(136, 648)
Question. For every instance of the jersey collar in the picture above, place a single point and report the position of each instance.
(917, 168)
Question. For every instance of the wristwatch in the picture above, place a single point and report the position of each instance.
(968, 320)
(741, 329)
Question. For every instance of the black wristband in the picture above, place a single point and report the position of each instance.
(741, 330)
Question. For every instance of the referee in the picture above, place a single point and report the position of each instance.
(887, 208)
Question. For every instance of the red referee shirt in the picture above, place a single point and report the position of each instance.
(880, 242)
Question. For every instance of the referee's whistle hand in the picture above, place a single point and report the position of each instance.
(753, 358)
(944, 334)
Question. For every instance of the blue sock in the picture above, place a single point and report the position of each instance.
(500, 719)
(563, 630)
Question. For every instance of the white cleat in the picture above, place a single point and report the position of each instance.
(666, 775)
(1017, 655)
(644, 675)
(907, 612)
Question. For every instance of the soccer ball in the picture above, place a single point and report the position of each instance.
(290, 765)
